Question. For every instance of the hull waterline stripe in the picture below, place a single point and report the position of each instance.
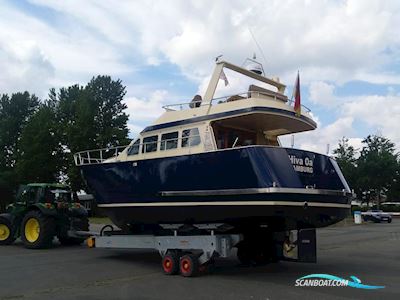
(228, 203)
(271, 190)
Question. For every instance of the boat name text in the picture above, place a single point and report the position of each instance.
(302, 165)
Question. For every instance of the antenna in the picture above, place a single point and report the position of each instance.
(292, 140)
(258, 46)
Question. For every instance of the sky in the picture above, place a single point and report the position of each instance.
(347, 53)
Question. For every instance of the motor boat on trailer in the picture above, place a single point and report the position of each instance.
(220, 161)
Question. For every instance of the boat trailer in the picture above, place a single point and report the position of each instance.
(188, 254)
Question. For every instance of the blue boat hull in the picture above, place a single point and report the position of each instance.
(256, 184)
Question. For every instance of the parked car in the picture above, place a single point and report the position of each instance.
(377, 216)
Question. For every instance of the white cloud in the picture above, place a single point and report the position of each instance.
(319, 139)
(378, 114)
(26, 64)
(382, 113)
(36, 55)
(336, 41)
(144, 111)
(331, 42)
(321, 93)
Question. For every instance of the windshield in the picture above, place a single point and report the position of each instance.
(60, 195)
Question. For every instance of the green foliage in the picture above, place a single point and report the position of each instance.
(377, 164)
(15, 112)
(37, 140)
(376, 170)
(91, 117)
(110, 118)
(40, 153)
(346, 158)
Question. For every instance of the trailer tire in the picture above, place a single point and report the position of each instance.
(7, 231)
(37, 230)
(255, 254)
(170, 263)
(189, 265)
(78, 224)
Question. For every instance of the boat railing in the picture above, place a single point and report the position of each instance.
(97, 156)
(230, 98)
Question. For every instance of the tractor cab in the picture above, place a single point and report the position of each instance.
(45, 193)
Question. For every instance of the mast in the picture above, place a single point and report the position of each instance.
(212, 86)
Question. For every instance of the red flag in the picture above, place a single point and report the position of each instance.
(297, 98)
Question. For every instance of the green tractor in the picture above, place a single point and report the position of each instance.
(41, 212)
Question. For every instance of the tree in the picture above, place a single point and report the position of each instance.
(377, 165)
(110, 119)
(346, 158)
(15, 112)
(91, 117)
(394, 191)
(40, 156)
(38, 140)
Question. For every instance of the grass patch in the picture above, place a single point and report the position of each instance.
(102, 220)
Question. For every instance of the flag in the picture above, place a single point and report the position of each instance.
(223, 77)
(296, 95)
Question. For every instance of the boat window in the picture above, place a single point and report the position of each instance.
(169, 141)
(190, 137)
(150, 144)
(134, 149)
(229, 137)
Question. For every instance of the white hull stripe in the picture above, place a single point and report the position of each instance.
(228, 203)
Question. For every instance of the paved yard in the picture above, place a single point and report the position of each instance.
(370, 252)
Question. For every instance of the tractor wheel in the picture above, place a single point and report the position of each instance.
(37, 230)
(7, 231)
(78, 224)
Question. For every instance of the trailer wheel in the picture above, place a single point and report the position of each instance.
(79, 224)
(254, 254)
(170, 263)
(243, 254)
(7, 231)
(37, 230)
(189, 265)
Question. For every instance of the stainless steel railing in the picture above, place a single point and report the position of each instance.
(97, 156)
(224, 99)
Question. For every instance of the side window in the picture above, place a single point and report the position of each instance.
(134, 149)
(150, 144)
(169, 141)
(190, 137)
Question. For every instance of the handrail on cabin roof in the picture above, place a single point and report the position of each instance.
(244, 95)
